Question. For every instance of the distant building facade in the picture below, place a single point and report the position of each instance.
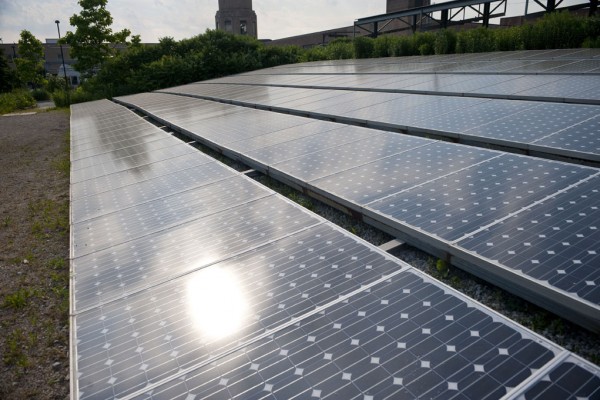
(52, 58)
(324, 37)
(237, 17)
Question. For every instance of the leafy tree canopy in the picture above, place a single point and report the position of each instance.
(30, 63)
(8, 78)
(93, 40)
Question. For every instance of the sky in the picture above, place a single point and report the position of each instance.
(153, 19)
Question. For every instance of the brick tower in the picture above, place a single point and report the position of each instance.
(237, 16)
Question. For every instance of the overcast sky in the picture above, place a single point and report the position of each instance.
(153, 19)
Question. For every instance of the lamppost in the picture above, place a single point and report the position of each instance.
(62, 55)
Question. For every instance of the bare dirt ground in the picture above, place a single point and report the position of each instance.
(34, 256)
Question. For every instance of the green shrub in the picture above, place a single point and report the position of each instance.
(271, 56)
(18, 99)
(317, 53)
(445, 42)
(8, 103)
(591, 27)
(363, 47)
(424, 43)
(477, 40)
(40, 94)
(405, 46)
(591, 43)
(340, 49)
(385, 46)
(509, 39)
(557, 30)
(79, 95)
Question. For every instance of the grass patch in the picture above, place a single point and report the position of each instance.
(15, 355)
(62, 163)
(18, 299)
(48, 216)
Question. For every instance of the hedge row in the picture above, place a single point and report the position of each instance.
(553, 31)
(216, 53)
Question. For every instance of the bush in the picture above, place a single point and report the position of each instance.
(405, 46)
(509, 39)
(363, 47)
(477, 40)
(317, 53)
(18, 99)
(424, 43)
(271, 56)
(40, 94)
(445, 42)
(79, 95)
(385, 46)
(340, 49)
(557, 30)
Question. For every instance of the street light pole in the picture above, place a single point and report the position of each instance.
(62, 55)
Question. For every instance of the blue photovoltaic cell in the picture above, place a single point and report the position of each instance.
(583, 137)
(381, 178)
(556, 241)
(460, 203)
(404, 338)
(571, 379)
(145, 191)
(143, 338)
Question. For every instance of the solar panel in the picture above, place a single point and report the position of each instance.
(456, 204)
(215, 286)
(403, 338)
(555, 241)
(571, 379)
(512, 124)
(439, 209)
(378, 179)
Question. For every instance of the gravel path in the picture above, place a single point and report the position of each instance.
(34, 251)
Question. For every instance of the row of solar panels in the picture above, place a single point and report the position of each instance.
(572, 61)
(548, 129)
(549, 88)
(527, 224)
(190, 280)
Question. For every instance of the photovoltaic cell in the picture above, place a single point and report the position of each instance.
(132, 266)
(143, 338)
(149, 217)
(107, 183)
(391, 175)
(456, 204)
(327, 162)
(571, 379)
(556, 241)
(164, 186)
(404, 338)
(583, 137)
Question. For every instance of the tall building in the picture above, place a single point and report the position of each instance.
(401, 5)
(237, 16)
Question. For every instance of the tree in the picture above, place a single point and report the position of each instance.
(8, 78)
(93, 40)
(30, 63)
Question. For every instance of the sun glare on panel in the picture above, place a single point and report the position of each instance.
(216, 303)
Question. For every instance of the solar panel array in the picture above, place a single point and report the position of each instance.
(547, 106)
(527, 224)
(190, 280)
